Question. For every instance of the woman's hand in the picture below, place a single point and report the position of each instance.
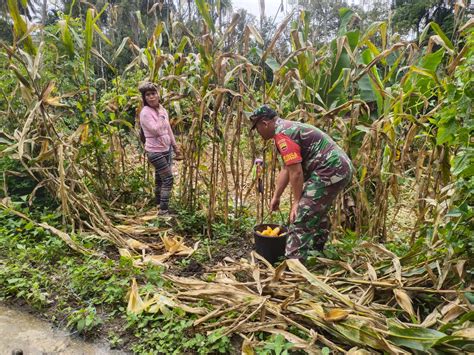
(293, 212)
(178, 155)
(275, 204)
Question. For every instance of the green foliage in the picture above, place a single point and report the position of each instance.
(17, 184)
(43, 272)
(84, 320)
(172, 334)
(275, 345)
(455, 124)
(100, 281)
(23, 277)
(90, 291)
(421, 339)
(214, 343)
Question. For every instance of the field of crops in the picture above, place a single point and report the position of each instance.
(79, 238)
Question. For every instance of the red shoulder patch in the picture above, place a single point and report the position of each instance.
(288, 148)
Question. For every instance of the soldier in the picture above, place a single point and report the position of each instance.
(317, 170)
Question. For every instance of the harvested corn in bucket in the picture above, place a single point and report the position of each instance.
(270, 241)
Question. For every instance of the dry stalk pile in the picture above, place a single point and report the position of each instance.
(379, 302)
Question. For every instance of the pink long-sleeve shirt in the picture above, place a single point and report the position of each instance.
(156, 126)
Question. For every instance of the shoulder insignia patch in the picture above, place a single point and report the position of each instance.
(282, 145)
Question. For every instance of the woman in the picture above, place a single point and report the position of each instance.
(159, 143)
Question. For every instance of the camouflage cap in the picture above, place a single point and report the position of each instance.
(145, 86)
(263, 112)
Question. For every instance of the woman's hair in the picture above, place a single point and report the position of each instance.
(146, 86)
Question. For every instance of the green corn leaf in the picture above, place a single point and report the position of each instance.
(203, 8)
(303, 64)
(88, 36)
(360, 331)
(446, 130)
(156, 35)
(345, 16)
(415, 338)
(374, 80)
(139, 20)
(120, 48)
(305, 17)
(101, 34)
(66, 36)
(20, 76)
(393, 68)
(184, 41)
(440, 33)
(272, 63)
(373, 29)
(20, 27)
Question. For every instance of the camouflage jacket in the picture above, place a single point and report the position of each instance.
(302, 143)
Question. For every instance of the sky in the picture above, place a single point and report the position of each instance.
(252, 6)
(271, 6)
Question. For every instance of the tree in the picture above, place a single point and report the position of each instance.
(324, 18)
(414, 15)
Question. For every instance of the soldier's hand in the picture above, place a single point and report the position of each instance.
(275, 204)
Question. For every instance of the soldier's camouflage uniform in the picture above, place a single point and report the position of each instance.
(327, 170)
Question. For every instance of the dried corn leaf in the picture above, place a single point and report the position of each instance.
(135, 302)
(135, 244)
(66, 238)
(342, 264)
(318, 309)
(229, 293)
(372, 273)
(279, 271)
(125, 253)
(367, 297)
(465, 333)
(157, 259)
(130, 229)
(256, 277)
(148, 218)
(357, 351)
(404, 301)
(379, 248)
(254, 254)
(398, 269)
(431, 319)
(298, 268)
(175, 245)
(291, 302)
(460, 268)
(452, 311)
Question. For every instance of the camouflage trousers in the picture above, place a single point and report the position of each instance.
(311, 227)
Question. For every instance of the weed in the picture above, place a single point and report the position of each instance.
(275, 345)
(84, 320)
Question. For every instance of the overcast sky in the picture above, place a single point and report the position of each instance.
(271, 6)
(252, 6)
